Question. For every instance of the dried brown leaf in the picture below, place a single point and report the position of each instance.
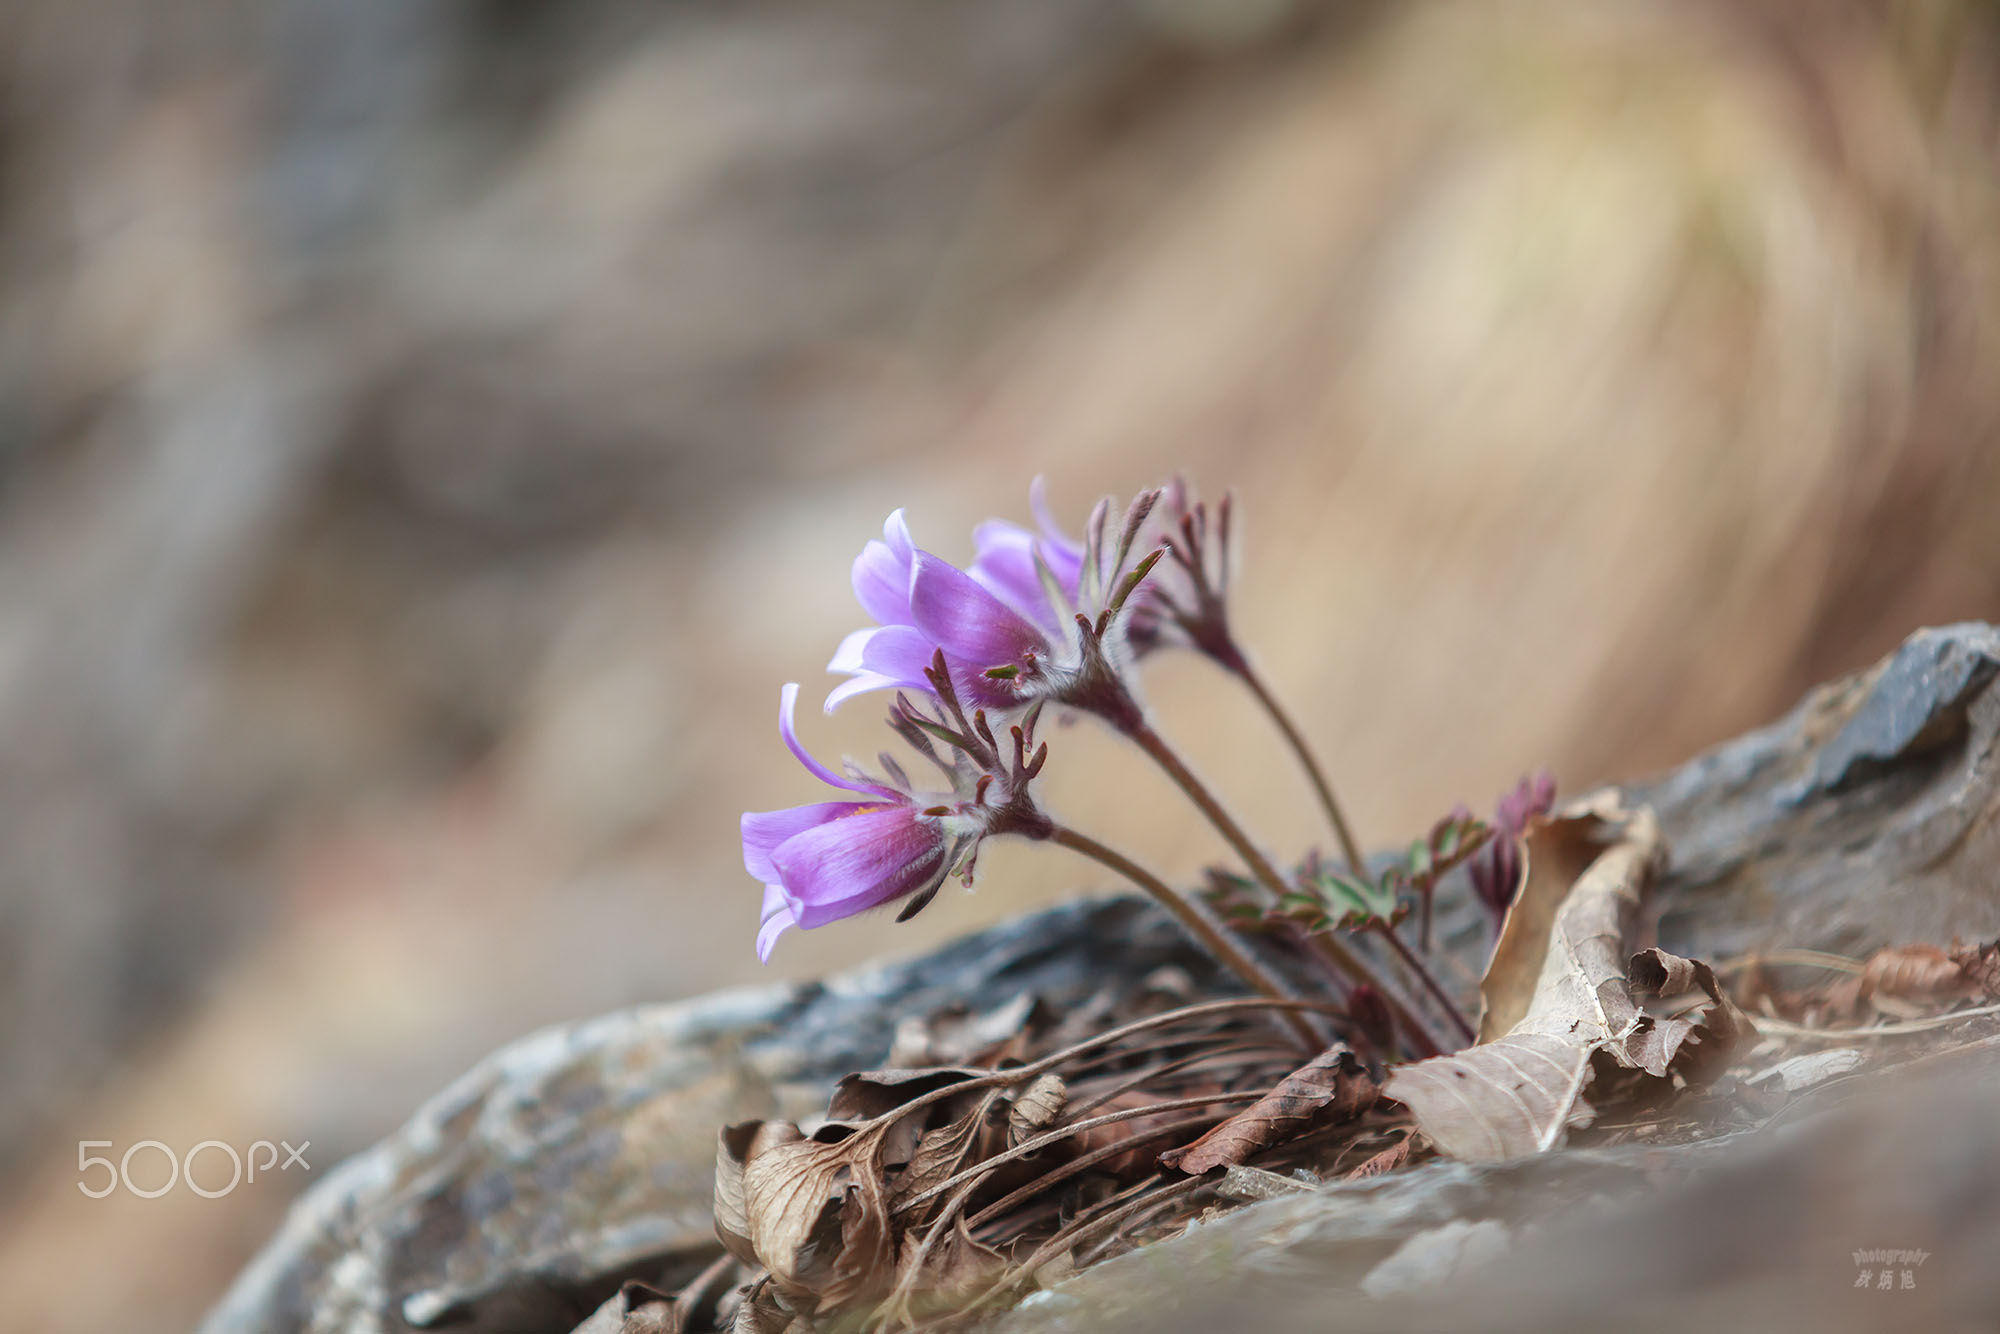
(760, 1312)
(803, 1196)
(735, 1146)
(1507, 1098)
(1914, 973)
(1693, 1042)
(942, 1153)
(635, 1308)
(1139, 1160)
(867, 1094)
(941, 1276)
(1388, 1160)
(1980, 965)
(1035, 1108)
(1331, 1087)
(1523, 1087)
(1908, 981)
(1559, 963)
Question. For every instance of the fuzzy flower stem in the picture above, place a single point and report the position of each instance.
(1269, 877)
(1350, 847)
(1198, 922)
(1155, 745)
(1431, 984)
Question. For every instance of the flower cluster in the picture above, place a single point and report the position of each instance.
(1039, 617)
(973, 654)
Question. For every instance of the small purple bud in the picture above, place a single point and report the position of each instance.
(1496, 871)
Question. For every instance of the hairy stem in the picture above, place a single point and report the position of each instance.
(1431, 984)
(1198, 922)
(1155, 745)
(1350, 847)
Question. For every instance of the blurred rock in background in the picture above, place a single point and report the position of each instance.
(430, 430)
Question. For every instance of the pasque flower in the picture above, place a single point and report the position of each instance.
(833, 859)
(1035, 617)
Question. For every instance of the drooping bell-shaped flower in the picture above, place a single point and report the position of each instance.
(1035, 618)
(832, 859)
(1038, 574)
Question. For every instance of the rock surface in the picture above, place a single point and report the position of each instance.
(1767, 1229)
(517, 1200)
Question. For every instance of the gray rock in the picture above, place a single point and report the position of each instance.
(1859, 818)
(518, 1200)
(1767, 1229)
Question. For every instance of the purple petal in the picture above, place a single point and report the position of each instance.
(788, 699)
(882, 574)
(879, 658)
(899, 651)
(860, 684)
(1038, 505)
(1063, 552)
(847, 658)
(775, 920)
(964, 619)
(896, 532)
(763, 831)
(856, 863)
(1005, 567)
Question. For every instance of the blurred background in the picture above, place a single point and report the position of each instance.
(431, 430)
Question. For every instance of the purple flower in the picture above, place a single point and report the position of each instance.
(1496, 871)
(1016, 627)
(1010, 562)
(833, 859)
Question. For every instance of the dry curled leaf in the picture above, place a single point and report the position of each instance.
(735, 1146)
(1560, 991)
(943, 1152)
(1909, 981)
(1693, 1041)
(812, 1211)
(867, 1094)
(1388, 1160)
(792, 1192)
(636, 1308)
(1558, 965)
(1914, 972)
(1142, 1156)
(1980, 965)
(937, 1275)
(1035, 1108)
(1331, 1087)
(760, 1312)
(1508, 1098)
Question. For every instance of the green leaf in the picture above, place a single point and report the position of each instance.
(1352, 904)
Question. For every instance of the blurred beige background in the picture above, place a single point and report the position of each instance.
(431, 430)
